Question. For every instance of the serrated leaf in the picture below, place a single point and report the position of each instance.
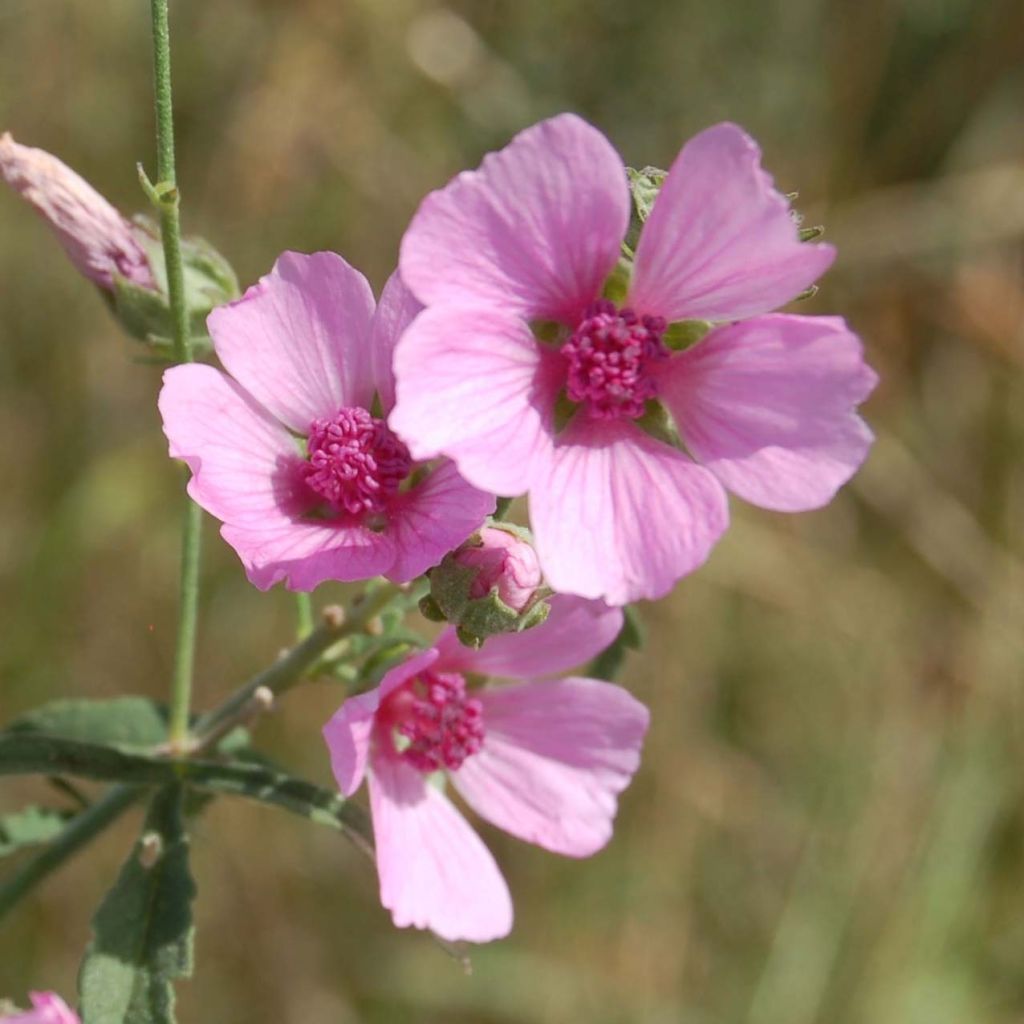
(143, 930)
(31, 826)
(129, 723)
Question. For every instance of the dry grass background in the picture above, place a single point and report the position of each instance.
(828, 823)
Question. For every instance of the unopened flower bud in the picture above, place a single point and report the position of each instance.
(101, 243)
(505, 561)
(491, 584)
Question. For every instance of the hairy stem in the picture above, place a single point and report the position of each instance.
(168, 202)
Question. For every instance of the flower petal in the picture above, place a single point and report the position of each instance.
(347, 733)
(574, 632)
(536, 230)
(244, 463)
(621, 516)
(435, 871)
(720, 243)
(303, 553)
(768, 406)
(299, 340)
(432, 519)
(475, 385)
(555, 756)
(395, 311)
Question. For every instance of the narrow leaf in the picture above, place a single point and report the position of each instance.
(31, 826)
(143, 930)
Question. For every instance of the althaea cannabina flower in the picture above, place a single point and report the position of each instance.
(47, 1008)
(765, 406)
(543, 760)
(309, 484)
(98, 240)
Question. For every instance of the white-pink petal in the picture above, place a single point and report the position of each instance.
(474, 384)
(435, 871)
(720, 243)
(299, 340)
(433, 518)
(575, 631)
(768, 405)
(395, 311)
(535, 231)
(555, 757)
(621, 516)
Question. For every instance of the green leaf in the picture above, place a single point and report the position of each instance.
(31, 826)
(143, 929)
(129, 723)
(35, 753)
(609, 662)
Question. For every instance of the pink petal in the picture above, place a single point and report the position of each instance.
(555, 756)
(621, 516)
(720, 243)
(299, 340)
(475, 385)
(535, 231)
(434, 870)
(395, 311)
(574, 632)
(47, 1008)
(347, 733)
(768, 406)
(432, 519)
(303, 553)
(244, 463)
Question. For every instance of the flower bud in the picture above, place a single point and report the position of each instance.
(491, 584)
(101, 243)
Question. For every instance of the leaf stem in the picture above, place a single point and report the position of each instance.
(77, 833)
(168, 200)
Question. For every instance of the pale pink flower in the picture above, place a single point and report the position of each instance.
(503, 560)
(47, 1008)
(764, 407)
(287, 452)
(97, 239)
(544, 759)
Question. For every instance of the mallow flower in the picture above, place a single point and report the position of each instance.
(97, 239)
(291, 451)
(539, 371)
(544, 759)
(47, 1008)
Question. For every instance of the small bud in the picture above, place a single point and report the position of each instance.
(150, 848)
(333, 616)
(101, 243)
(491, 584)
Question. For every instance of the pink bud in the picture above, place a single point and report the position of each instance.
(504, 561)
(47, 1008)
(97, 239)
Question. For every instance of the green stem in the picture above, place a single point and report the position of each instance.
(168, 201)
(305, 622)
(289, 669)
(77, 833)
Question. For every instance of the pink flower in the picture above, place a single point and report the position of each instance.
(97, 239)
(287, 452)
(502, 560)
(763, 406)
(541, 759)
(47, 1008)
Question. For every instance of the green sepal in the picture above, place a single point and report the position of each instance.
(143, 931)
(657, 422)
(630, 638)
(644, 186)
(811, 234)
(685, 333)
(616, 285)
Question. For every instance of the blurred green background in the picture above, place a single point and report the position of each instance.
(828, 823)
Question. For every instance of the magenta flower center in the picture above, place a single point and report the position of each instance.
(355, 463)
(609, 358)
(441, 724)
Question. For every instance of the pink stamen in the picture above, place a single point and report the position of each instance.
(609, 356)
(355, 463)
(442, 724)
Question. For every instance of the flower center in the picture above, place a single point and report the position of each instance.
(441, 724)
(355, 463)
(609, 356)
